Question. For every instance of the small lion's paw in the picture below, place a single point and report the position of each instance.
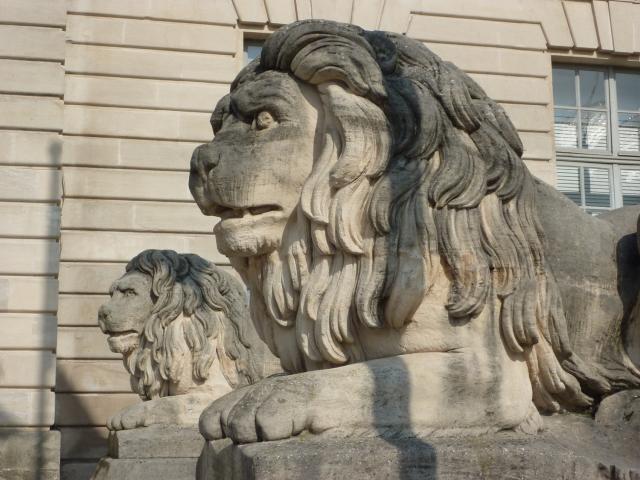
(273, 409)
(178, 410)
(130, 417)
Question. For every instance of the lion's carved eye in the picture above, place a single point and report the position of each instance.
(264, 120)
(129, 292)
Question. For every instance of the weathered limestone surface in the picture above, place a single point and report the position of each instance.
(145, 469)
(153, 453)
(156, 441)
(29, 455)
(572, 448)
(32, 48)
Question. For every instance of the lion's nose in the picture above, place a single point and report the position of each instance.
(203, 161)
(103, 314)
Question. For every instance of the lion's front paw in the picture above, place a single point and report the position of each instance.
(131, 417)
(273, 409)
(178, 410)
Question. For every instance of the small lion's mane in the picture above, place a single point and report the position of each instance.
(197, 307)
(420, 168)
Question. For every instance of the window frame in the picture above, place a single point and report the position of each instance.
(579, 108)
(613, 153)
(611, 159)
(618, 194)
(615, 180)
(613, 174)
(248, 42)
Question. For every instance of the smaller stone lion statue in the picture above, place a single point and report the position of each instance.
(183, 329)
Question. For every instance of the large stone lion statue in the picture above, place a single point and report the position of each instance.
(404, 265)
(181, 326)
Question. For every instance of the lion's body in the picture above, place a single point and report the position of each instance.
(375, 201)
(597, 266)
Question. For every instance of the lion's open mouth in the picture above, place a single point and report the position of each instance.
(249, 231)
(123, 342)
(124, 333)
(234, 218)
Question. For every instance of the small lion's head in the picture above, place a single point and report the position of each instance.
(123, 317)
(350, 169)
(171, 316)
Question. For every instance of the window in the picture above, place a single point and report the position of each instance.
(598, 187)
(252, 50)
(597, 136)
(628, 91)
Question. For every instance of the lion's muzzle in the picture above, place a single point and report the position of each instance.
(203, 160)
(103, 314)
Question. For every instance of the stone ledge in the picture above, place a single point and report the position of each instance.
(158, 441)
(571, 448)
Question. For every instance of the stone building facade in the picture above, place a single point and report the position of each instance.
(102, 103)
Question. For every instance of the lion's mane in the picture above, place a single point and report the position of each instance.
(420, 170)
(198, 307)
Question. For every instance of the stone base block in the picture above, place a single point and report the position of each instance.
(571, 448)
(151, 453)
(158, 441)
(146, 469)
(29, 454)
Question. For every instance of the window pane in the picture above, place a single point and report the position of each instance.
(566, 128)
(592, 89)
(252, 50)
(630, 180)
(564, 87)
(569, 182)
(628, 89)
(594, 130)
(597, 191)
(629, 132)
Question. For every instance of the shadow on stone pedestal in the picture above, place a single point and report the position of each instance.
(29, 454)
(571, 448)
(151, 453)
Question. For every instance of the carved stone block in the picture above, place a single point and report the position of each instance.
(571, 448)
(151, 453)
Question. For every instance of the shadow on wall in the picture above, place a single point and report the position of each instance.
(55, 159)
(81, 452)
(33, 453)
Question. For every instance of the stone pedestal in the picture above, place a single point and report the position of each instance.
(571, 448)
(29, 454)
(151, 453)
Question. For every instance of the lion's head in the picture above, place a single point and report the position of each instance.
(171, 316)
(347, 167)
